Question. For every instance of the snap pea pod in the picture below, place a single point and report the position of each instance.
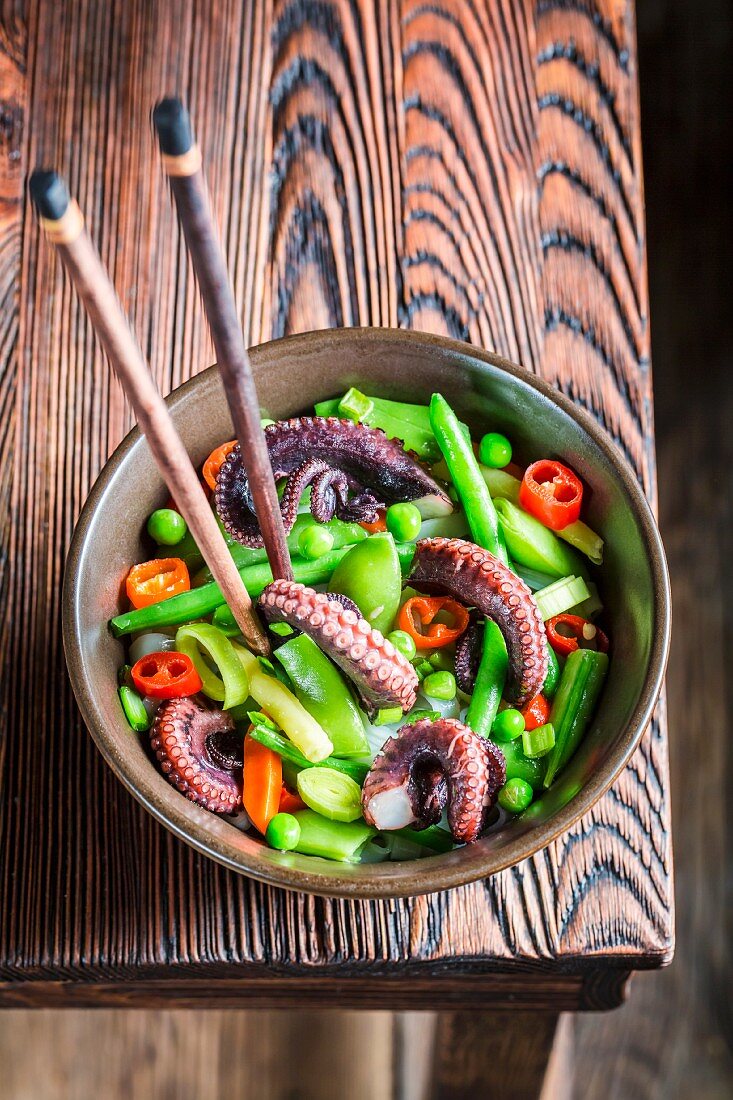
(535, 546)
(490, 679)
(339, 840)
(519, 766)
(343, 534)
(531, 577)
(202, 601)
(324, 693)
(463, 465)
(288, 751)
(370, 574)
(572, 708)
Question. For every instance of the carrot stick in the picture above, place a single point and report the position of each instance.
(263, 781)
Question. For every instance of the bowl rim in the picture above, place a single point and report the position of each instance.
(434, 875)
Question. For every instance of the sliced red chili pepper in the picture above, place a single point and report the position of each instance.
(576, 633)
(215, 461)
(536, 713)
(417, 616)
(551, 493)
(290, 802)
(168, 675)
(379, 524)
(156, 580)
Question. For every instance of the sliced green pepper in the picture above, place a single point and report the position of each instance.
(324, 693)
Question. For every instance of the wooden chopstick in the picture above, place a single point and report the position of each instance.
(63, 223)
(182, 163)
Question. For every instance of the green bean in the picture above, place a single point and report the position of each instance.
(464, 470)
(535, 546)
(489, 681)
(572, 708)
(134, 709)
(288, 751)
(553, 675)
(202, 601)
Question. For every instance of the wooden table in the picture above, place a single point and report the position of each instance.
(469, 167)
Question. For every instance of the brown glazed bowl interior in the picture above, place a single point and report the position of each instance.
(490, 394)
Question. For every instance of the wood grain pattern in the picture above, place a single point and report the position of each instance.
(444, 165)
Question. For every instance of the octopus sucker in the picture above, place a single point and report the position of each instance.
(427, 766)
(478, 579)
(199, 753)
(382, 676)
(352, 471)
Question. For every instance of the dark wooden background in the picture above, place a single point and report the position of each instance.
(675, 1031)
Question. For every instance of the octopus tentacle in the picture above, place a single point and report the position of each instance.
(376, 469)
(195, 746)
(382, 675)
(478, 579)
(468, 656)
(405, 779)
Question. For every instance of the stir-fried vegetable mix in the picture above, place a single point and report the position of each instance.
(435, 663)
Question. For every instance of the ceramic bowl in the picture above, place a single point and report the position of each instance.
(488, 393)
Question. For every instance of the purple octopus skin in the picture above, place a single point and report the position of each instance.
(397, 792)
(478, 579)
(334, 457)
(468, 656)
(382, 675)
(199, 753)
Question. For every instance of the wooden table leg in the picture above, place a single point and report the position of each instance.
(483, 1055)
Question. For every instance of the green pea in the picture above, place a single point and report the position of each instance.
(515, 796)
(315, 542)
(508, 725)
(167, 527)
(495, 450)
(403, 642)
(283, 832)
(439, 685)
(403, 521)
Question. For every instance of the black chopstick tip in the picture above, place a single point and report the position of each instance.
(49, 193)
(172, 123)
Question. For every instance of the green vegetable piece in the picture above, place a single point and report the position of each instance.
(531, 577)
(515, 796)
(387, 716)
(440, 685)
(404, 521)
(553, 675)
(289, 752)
(231, 686)
(315, 541)
(339, 840)
(436, 839)
(508, 725)
(323, 691)
(418, 714)
(124, 679)
(454, 526)
(518, 766)
(560, 596)
(282, 630)
(539, 741)
(167, 527)
(495, 450)
(134, 708)
(355, 405)
(532, 544)
(490, 680)
(371, 576)
(403, 642)
(330, 793)
(188, 551)
(580, 685)
(283, 832)
(580, 536)
(327, 408)
(224, 621)
(591, 607)
(443, 659)
(466, 475)
(423, 668)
